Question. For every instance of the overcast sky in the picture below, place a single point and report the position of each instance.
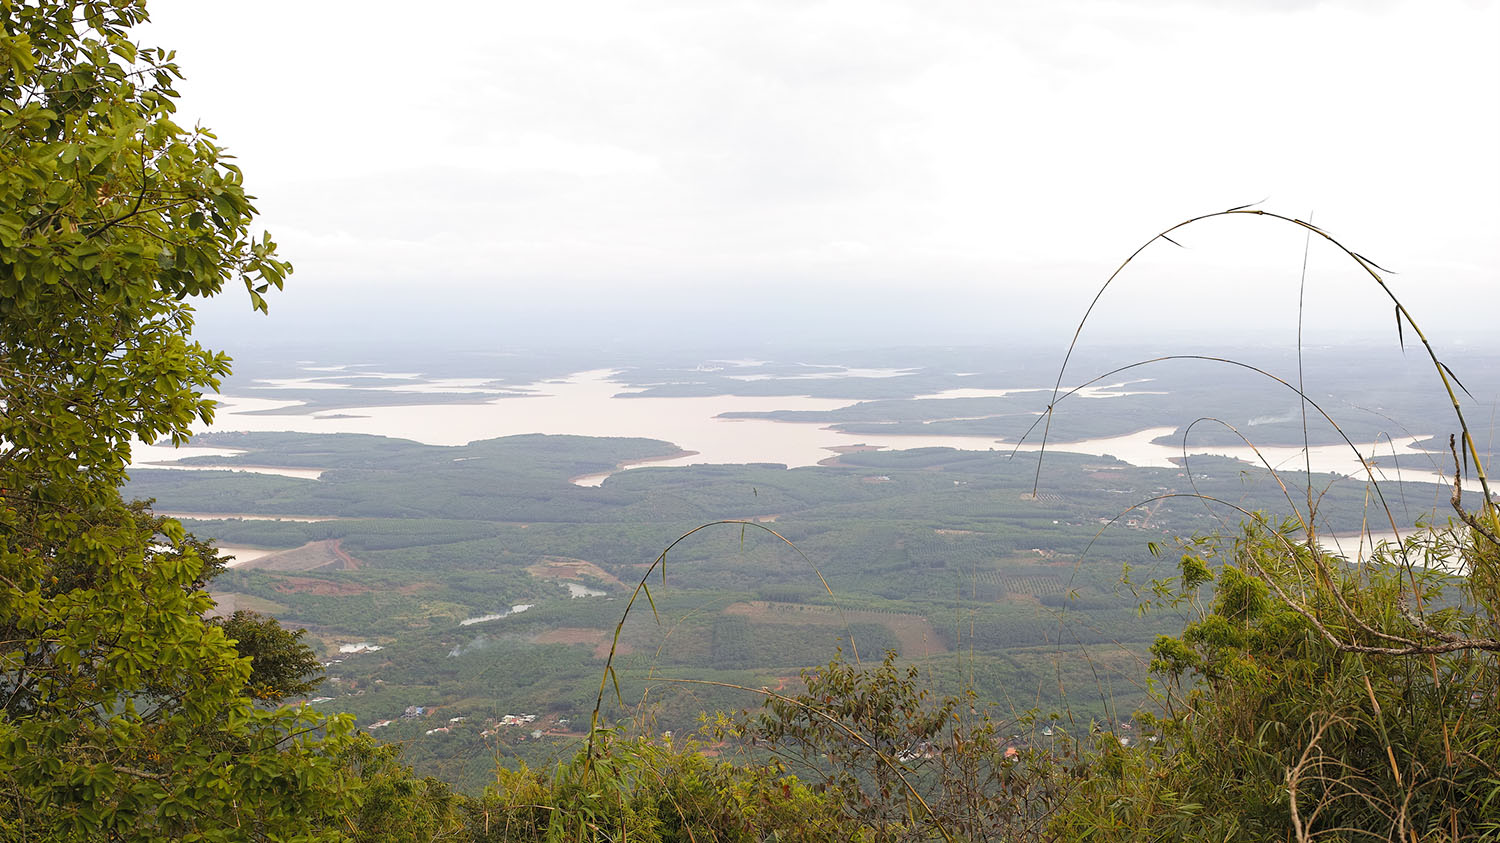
(907, 170)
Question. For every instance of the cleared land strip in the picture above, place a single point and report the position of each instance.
(914, 632)
(596, 638)
(309, 557)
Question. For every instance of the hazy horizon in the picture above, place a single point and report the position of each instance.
(854, 172)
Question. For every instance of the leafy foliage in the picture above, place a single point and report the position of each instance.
(637, 789)
(125, 714)
(902, 764)
(1285, 715)
(393, 805)
(280, 664)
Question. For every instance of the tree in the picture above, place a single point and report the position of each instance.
(902, 763)
(123, 714)
(651, 791)
(1307, 719)
(281, 666)
(394, 805)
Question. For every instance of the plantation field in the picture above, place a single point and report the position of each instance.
(914, 633)
(493, 585)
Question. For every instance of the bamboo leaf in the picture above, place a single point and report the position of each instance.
(1456, 380)
(1374, 264)
(647, 590)
(616, 680)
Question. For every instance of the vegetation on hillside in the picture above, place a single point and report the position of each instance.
(1306, 697)
(125, 715)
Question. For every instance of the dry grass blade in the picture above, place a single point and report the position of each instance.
(1307, 522)
(1369, 471)
(1368, 266)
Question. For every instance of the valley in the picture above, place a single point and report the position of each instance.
(484, 579)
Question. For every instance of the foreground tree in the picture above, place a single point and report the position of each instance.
(1285, 723)
(903, 764)
(123, 715)
(281, 666)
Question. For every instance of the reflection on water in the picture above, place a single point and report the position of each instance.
(580, 590)
(462, 386)
(1107, 390)
(140, 453)
(830, 373)
(165, 456)
(595, 480)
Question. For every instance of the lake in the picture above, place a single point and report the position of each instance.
(595, 403)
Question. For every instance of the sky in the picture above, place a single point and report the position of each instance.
(864, 171)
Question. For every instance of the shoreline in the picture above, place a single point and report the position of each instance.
(293, 472)
(246, 516)
(584, 479)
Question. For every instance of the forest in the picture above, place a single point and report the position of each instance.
(943, 556)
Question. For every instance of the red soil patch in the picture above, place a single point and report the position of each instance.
(346, 562)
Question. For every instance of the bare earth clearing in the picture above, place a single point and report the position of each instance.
(563, 568)
(227, 603)
(309, 557)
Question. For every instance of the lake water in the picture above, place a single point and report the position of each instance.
(241, 516)
(1359, 548)
(585, 405)
(243, 554)
(1415, 466)
(164, 456)
(279, 471)
(504, 613)
(592, 403)
(360, 647)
